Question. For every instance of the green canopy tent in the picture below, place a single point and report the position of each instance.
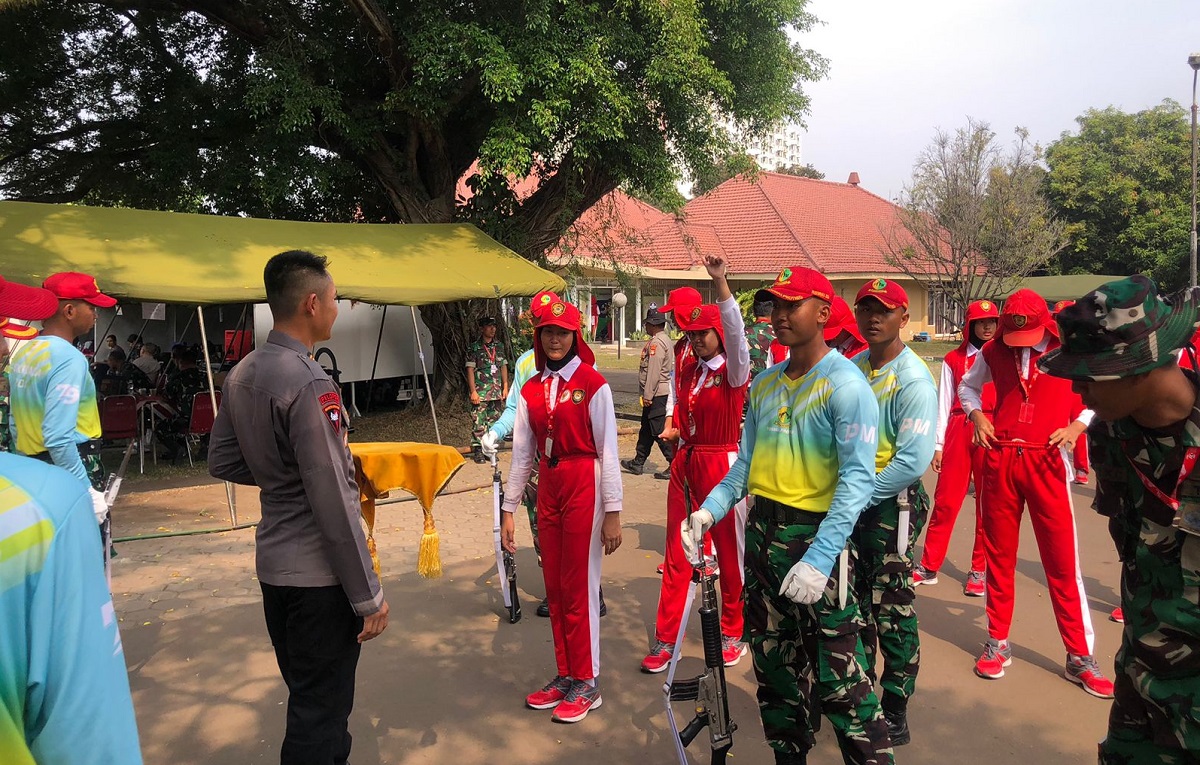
(208, 260)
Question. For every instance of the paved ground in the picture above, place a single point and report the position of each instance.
(445, 682)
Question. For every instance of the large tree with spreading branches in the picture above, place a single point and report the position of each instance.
(374, 110)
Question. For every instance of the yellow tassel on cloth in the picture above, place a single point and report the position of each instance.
(429, 559)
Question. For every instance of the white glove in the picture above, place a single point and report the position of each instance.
(692, 532)
(489, 444)
(804, 584)
(99, 505)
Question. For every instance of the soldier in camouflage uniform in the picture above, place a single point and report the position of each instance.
(887, 530)
(487, 382)
(760, 336)
(1119, 347)
(807, 460)
(180, 392)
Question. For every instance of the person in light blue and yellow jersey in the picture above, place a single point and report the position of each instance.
(888, 529)
(807, 460)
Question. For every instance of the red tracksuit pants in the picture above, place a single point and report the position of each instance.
(569, 516)
(703, 467)
(1081, 454)
(961, 461)
(1014, 475)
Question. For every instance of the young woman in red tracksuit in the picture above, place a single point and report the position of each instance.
(1027, 461)
(565, 420)
(957, 460)
(710, 390)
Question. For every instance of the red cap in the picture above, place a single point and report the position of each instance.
(30, 303)
(699, 318)
(1061, 305)
(540, 301)
(1025, 319)
(797, 283)
(562, 314)
(886, 291)
(684, 297)
(71, 285)
(841, 317)
(982, 309)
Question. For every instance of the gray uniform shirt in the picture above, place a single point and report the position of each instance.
(282, 428)
(654, 372)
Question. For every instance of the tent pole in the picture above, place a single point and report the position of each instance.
(375, 363)
(425, 372)
(212, 392)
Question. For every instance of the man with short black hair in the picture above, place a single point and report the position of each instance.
(282, 427)
(487, 383)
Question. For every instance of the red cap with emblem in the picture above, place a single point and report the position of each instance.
(541, 301)
(701, 317)
(886, 291)
(841, 317)
(71, 285)
(1061, 305)
(561, 314)
(680, 299)
(982, 309)
(1025, 319)
(797, 283)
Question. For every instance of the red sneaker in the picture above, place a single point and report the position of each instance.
(1081, 477)
(1118, 616)
(581, 699)
(996, 656)
(660, 568)
(660, 654)
(922, 575)
(1084, 671)
(732, 650)
(551, 694)
(976, 585)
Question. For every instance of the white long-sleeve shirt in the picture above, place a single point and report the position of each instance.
(970, 390)
(947, 395)
(604, 435)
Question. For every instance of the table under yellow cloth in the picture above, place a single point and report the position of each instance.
(422, 470)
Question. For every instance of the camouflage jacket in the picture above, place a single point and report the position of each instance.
(1160, 579)
(181, 389)
(759, 336)
(487, 359)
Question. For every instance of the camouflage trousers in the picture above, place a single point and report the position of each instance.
(883, 583)
(1155, 716)
(483, 415)
(806, 651)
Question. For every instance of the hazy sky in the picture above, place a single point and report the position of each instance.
(900, 70)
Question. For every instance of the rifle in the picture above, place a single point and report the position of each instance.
(506, 564)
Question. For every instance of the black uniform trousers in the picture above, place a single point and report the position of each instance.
(315, 634)
(654, 417)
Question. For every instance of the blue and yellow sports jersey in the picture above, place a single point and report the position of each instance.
(64, 691)
(52, 402)
(810, 444)
(908, 403)
(524, 371)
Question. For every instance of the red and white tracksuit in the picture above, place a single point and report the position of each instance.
(1079, 457)
(579, 481)
(962, 461)
(1021, 469)
(709, 397)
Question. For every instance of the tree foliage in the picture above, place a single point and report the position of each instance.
(731, 165)
(973, 221)
(803, 171)
(1122, 184)
(373, 110)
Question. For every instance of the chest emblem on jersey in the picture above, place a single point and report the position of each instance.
(1019, 320)
(577, 397)
(713, 381)
(784, 417)
(564, 397)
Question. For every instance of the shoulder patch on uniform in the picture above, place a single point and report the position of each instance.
(331, 405)
(577, 397)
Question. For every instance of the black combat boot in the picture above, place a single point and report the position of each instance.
(895, 710)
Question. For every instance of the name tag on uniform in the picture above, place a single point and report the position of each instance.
(549, 448)
(1025, 413)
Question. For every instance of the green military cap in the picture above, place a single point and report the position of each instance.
(1122, 328)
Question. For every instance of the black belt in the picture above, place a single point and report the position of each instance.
(85, 449)
(771, 511)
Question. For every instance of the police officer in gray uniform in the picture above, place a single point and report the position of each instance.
(282, 427)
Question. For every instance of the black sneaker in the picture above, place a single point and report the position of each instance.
(663, 475)
(543, 609)
(633, 466)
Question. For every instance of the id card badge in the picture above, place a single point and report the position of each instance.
(1187, 514)
(548, 451)
(1025, 413)
(495, 369)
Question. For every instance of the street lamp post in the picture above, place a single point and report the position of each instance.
(1194, 62)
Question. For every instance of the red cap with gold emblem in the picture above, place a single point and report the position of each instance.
(681, 300)
(559, 313)
(982, 309)
(1061, 305)
(701, 317)
(886, 291)
(797, 283)
(541, 301)
(72, 285)
(1025, 320)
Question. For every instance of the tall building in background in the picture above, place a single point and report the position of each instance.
(778, 149)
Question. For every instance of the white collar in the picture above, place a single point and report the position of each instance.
(567, 370)
(714, 363)
(972, 350)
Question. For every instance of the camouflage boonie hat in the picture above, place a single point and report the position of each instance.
(1122, 328)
